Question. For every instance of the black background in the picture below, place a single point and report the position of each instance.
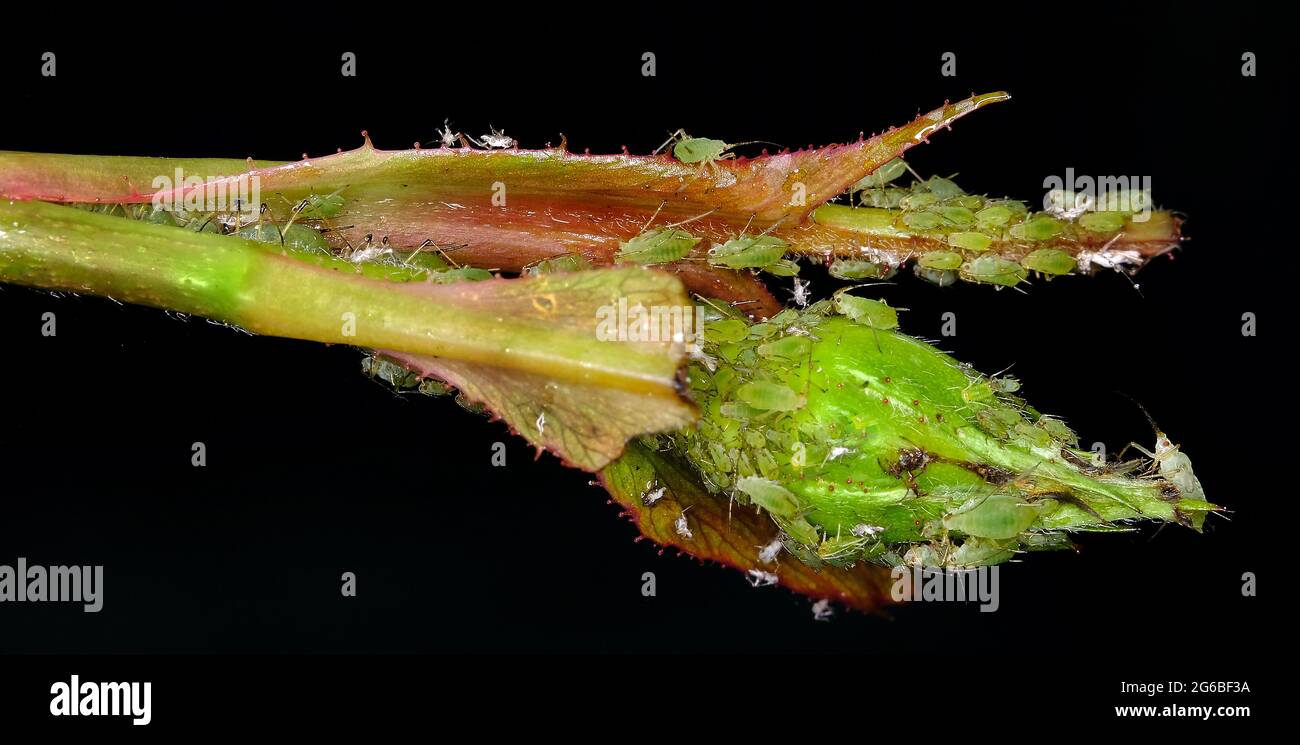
(314, 470)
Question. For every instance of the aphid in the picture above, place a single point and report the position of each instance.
(749, 252)
(980, 552)
(943, 260)
(495, 140)
(787, 348)
(959, 216)
(801, 293)
(1067, 204)
(922, 220)
(883, 175)
(997, 515)
(993, 270)
(970, 241)
(770, 495)
(1058, 430)
(318, 206)
(943, 188)
(1125, 201)
(1049, 261)
(559, 265)
(1174, 465)
(682, 527)
(760, 578)
(700, 150)
(660, 246)
(995, 216)
(876, 314)
(448, 137)
(371, 251)
(889, 198)
(768, 553)
(1103, 222)
(939, 277)
(862, 530)
(859, 269)
(822, 610)
(1037, 228)
(767, 396)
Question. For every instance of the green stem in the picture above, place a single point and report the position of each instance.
(496, 323)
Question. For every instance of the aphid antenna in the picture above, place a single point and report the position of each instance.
(669, 141)
(1154, 427)
(691, 219)
(654, 216)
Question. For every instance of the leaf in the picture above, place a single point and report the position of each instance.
(727, 533)
(506, 209)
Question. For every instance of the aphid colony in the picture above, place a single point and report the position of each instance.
(978, 239)
(302, 231)
(865, 444)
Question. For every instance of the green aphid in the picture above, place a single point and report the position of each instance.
(888, 198)
(316, 206)
(566, 264)
(783, 268)
(1035, 436)
(975, 552)
(995, 216)
(159, 217)
(1004, 384)
(203, 224)
(699, 149)
(959, 216)
(1050, 261)
(970, 202)
(942, 260)
(749, 252)
(840, 550)
(659, 246)
(461, 274)
(970, 241)
(873, 313)
(431, 387)
(993, 270)
(788, 348)
(881, 176)
(922, 220)
(303, 238)
(998, 422)
(944, 188)
(858, 269)
(770, 495)
(767, 396)
(1058, 430)
(939, 277)
(917, 200)
(1045, 542)
(725, 331)
(802, 532)
(998, 516)
(390, 372)
(1038, 228)
(262, 232)
(1125, 201)
(981, 391)
(1103, 222)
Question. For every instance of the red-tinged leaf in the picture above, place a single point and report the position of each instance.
(506, 209)
(724, 532)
